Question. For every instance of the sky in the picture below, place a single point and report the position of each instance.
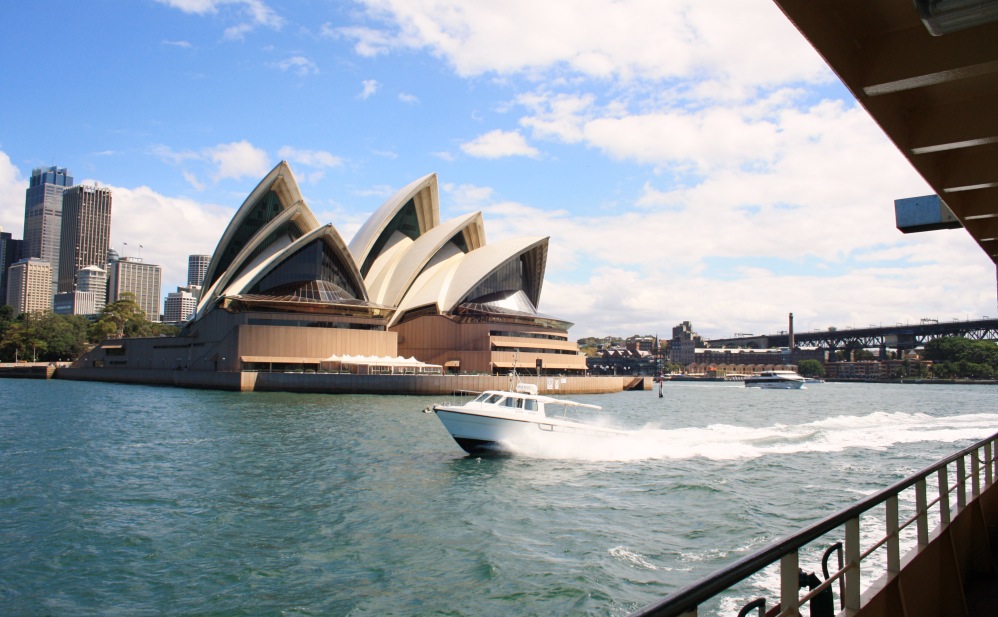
(690, 160)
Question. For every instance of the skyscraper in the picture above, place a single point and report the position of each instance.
(93, 279)
(43, 216)
(197, 265)
(142, 280)
(180, 305)
(86, 231)
(30, 286)
(10, 252)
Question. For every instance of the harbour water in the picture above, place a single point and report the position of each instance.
(133, 500)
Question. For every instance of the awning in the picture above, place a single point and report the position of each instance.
(396, 361)
(547, 364)
(280, 360)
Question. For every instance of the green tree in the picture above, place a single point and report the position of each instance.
(120, 318)
(13, 342)
(811, 368)
(959, 357)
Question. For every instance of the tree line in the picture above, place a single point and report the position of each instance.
(49, 337)
(953, 357)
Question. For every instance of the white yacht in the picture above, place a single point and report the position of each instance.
(497, 420)
(784, 380)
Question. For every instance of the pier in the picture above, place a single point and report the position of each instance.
(27, 370)
(349, 383)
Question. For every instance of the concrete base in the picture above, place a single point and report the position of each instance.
(345, 383)
(29, 370)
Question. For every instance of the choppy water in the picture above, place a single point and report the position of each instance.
(130, 500)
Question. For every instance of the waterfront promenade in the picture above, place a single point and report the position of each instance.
(348, 383)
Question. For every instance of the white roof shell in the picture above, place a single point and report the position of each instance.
(388, 282)
(423, 192)
(448, 284)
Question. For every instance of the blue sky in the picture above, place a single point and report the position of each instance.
(690, 160)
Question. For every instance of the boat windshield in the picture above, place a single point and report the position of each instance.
(495, 398)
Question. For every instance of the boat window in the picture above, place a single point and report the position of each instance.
(519, 403)
(509, 402)
(531, 404)
(481, 398)
(494, 398)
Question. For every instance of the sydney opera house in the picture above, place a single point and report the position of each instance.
(409, 293)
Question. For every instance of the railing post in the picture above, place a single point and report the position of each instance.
(893, 537)
(921, 513)
(852, 577)
(975, 473)
(943, 495)
(961, 484)
(988, 475)
(789, 582)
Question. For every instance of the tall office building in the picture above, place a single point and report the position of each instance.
(180, 305)
(142, 280)
(10, 252)
(30, 286)
(75, 303)
(86, 231)
(197, 265)
(93, 279)
(43, 216)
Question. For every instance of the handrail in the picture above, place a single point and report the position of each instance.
(688, 598)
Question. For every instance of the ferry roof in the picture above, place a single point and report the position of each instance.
(932, 95)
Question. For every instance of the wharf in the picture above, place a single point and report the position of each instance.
(348, 383)
(27, 370)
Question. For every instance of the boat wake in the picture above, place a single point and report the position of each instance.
(878, 431)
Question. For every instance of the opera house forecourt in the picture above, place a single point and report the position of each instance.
(411, 305)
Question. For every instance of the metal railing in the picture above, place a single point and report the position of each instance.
(983, 471)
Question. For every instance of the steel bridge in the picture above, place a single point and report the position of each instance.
(902, 337)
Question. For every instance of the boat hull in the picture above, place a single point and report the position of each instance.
(779, 384)
(492, 434)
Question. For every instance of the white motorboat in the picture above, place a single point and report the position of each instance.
(504, 422)
(783, 380)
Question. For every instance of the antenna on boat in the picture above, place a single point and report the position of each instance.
(510, 385)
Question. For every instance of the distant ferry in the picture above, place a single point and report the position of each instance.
(784, 380)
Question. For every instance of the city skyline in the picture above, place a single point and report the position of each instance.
(688, 161)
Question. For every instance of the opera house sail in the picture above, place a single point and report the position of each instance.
(282, 290)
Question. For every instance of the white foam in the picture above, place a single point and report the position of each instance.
(630, 557)
(878, 430)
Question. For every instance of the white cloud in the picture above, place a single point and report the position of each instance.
(318, 160)
(239, 159)
(12, 187)
(235, 160)
(299, 65)
(370, 87)
(405, 97)
(185, 227)
(254, 12)
(498, 144)
(311, 158)
(619, 39)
